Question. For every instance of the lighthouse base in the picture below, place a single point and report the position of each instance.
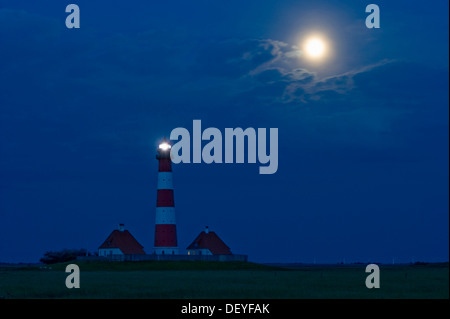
(165, 250)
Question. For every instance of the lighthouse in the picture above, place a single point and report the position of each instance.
(165, 223)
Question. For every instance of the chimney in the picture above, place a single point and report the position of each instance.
(206, 230)
(121, 227)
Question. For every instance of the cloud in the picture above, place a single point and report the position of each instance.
(116, 84)
(234, 58)
(268, 71)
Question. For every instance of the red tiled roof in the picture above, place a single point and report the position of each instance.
(124, 241)
(212, 242)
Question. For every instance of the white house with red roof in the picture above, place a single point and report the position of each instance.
(120, 242)
(208, 243)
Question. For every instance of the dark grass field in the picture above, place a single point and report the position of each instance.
(209, 280)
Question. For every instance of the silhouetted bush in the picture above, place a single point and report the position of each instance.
(53, 257)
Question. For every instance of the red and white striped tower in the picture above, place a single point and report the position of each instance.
(165, 224)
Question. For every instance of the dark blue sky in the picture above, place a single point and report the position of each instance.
(363, 137)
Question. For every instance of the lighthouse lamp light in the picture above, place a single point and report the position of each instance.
(165, 146)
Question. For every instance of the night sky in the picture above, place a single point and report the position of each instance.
(363, 170)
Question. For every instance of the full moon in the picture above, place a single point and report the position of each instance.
(315, 47)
